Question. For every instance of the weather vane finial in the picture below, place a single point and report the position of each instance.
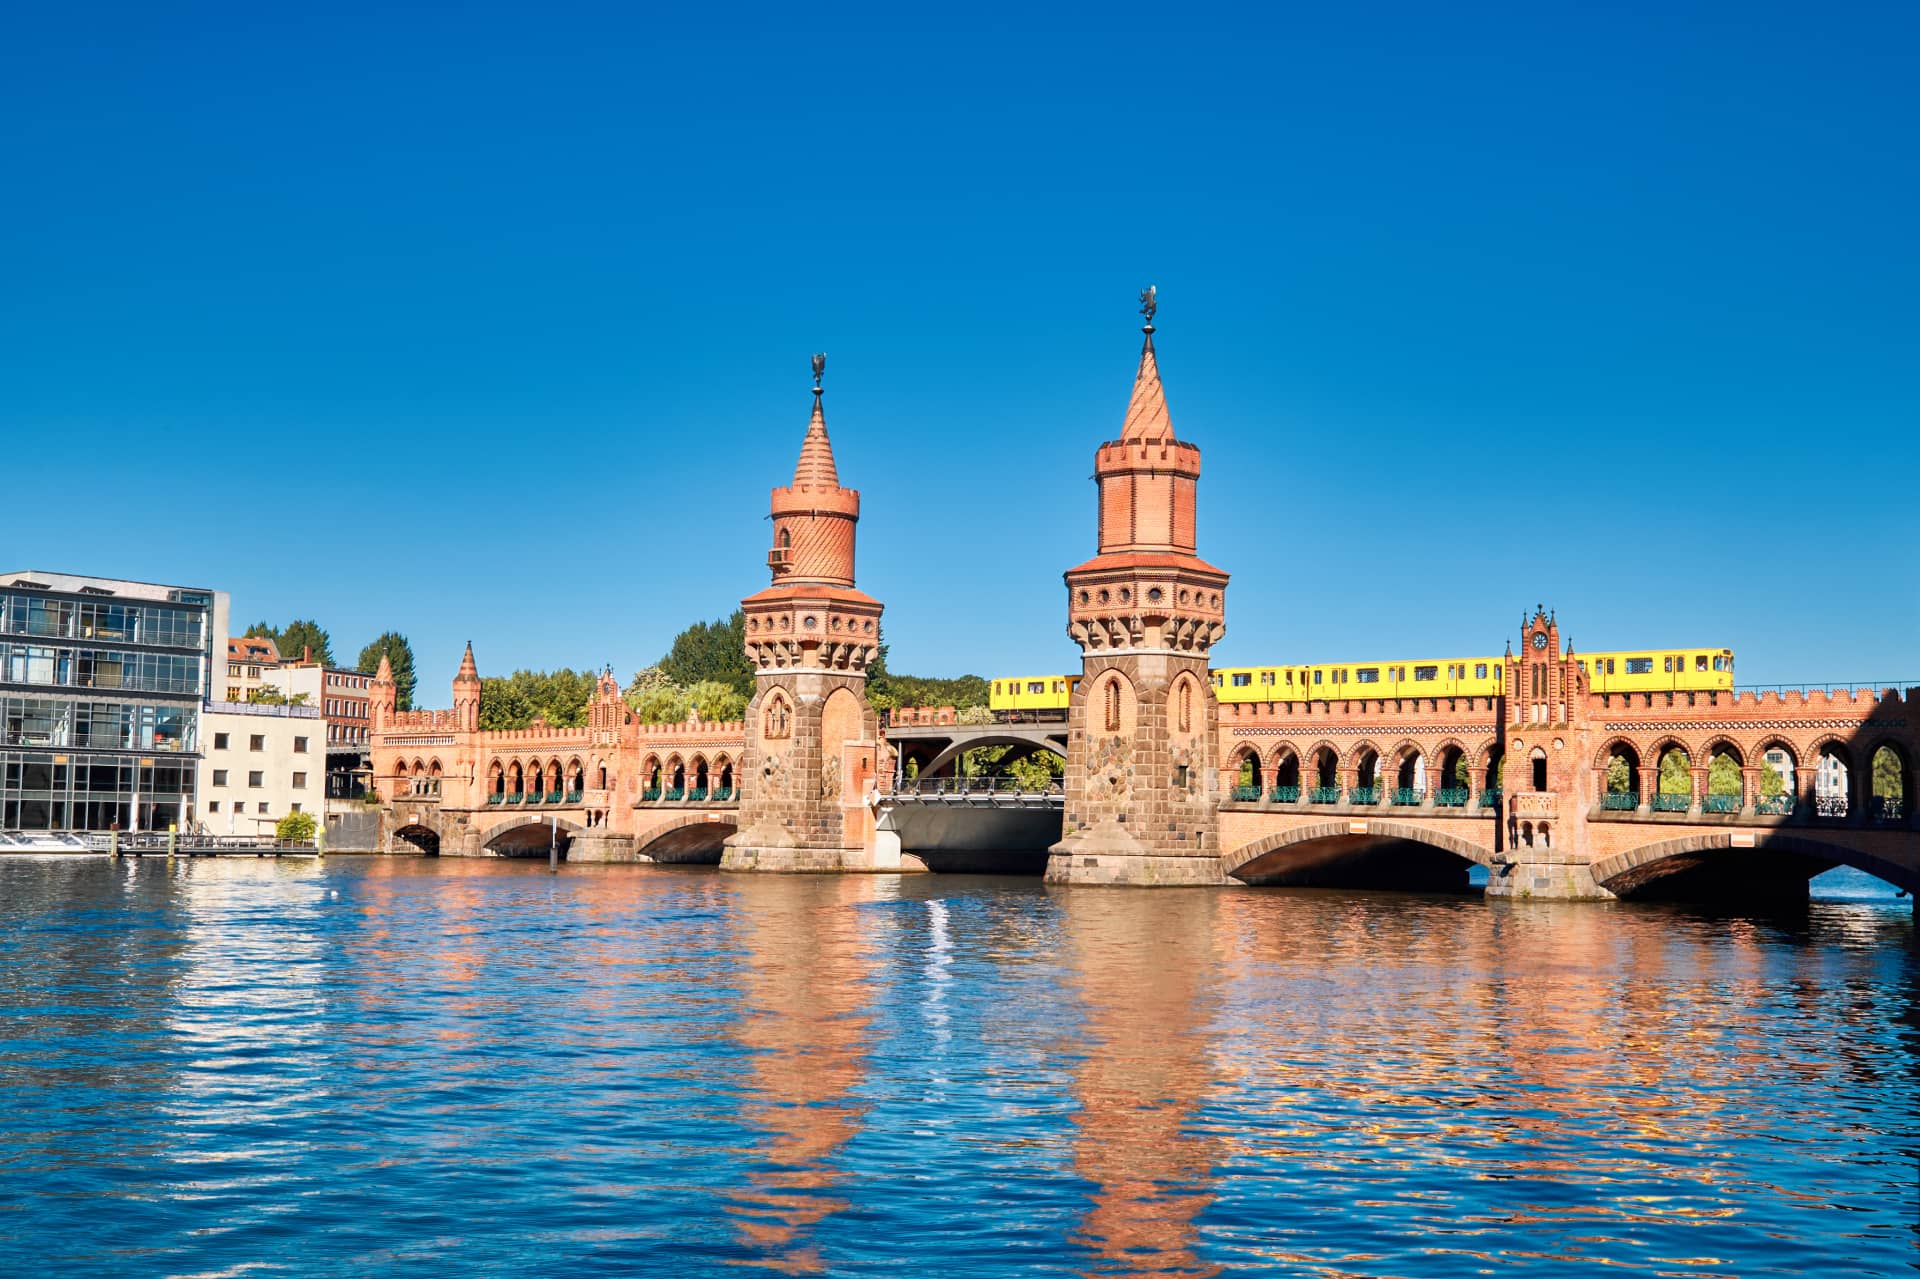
(1149, 303)
(819, 367)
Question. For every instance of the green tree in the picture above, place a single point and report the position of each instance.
(260, 630)
(717, 702)
(1676, 773)
(1462, 773)
(1619, 775)
(1887, 782)
(269, 695)
(399, 654)
(502, 706)
(302, 635)
(1724, 776)
(659, 703)
(1772, 785)
(715, 651)
(295, 828)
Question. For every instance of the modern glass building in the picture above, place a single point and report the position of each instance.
(101, 684)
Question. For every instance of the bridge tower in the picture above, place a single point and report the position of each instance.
(812, 736)
(1142, 781)
(1548, 783)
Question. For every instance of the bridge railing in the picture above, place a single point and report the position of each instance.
(968, 786)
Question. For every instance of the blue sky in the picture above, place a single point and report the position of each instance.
(494, 323)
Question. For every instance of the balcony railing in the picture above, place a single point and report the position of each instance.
(1620, 801)
(573, 797)
(1364, 795)
(496, 798)
(1723, 803)
(722, 794)
(1285, 795)
(1405, 796)
(1830, 805)
(1451, 797)
(1246, 794)
(553, 797)
(1887, 810)
(1489, 799)
(1324, 795)
(650, 794)
(1672, 803)
(1778, 806)
(698, 794)
(677, 793)
(515, 798)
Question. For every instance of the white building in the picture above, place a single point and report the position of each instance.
(260, 763)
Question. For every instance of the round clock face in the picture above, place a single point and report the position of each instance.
(1539, 639)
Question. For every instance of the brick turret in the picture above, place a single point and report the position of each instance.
(1141, 779)
(383, 696)
(466, 692)
(812, 736)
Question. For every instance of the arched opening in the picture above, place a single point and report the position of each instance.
(776, 721)
(1111, 701)
(1366, 776)
(1888, 780)
(1493, 778)
(1622, 789)
(496, 783)
(1675, 793)
(1286, 778)
(1393, 856)
(540, 836)
(536, 782)
(1778, 780)
(602, 777)
(576, 781)
(555, 786)
(516, 783)
(1537, 760)
(1410, 777)
(1455, 781)
(1773, 865)
(677, 779)
(725, 790)
(417, 839)
(1247, 781)
(1831, 778)
(650, 771)
(1326, 776)
(1726, 780)
(699, 778)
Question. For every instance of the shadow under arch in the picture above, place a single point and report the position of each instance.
(685, 839)
(524, 837)
(1708, 866)
(944, 763)
(1390, 855)
(423, 840)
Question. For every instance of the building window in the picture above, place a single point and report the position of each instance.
(1426, 672)
(257, 742)
(299, 745)
(1637, 665)
(256, 779)
(299, 781)
(253, 672)
(1242, 678)
(233, 692)
(1367, 675)
(219, 741)
(294, 807)
(219, 777)
(1479, 670)
(261, 806)
(213, 806)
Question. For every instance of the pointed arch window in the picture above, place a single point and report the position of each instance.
(1113, 706)
(778, 720)
(1186, 706)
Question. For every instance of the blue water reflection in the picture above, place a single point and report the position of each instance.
(402, 1067)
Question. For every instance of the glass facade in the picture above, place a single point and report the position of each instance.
(100, 704)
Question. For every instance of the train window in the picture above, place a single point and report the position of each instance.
(1479, 670)
(1241, 679)
(1700, 662)
(1367, 675)
(1639, 666)
(1289, 677)
(1609, 666)
(1036, 686)
(1266, 677)
(1427, 672)
(1059, 686)
(1316, 677)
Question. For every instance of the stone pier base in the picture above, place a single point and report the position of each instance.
(1544, 881)
(814, 861)
(1134, 870)
(602, 848)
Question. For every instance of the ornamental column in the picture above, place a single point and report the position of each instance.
(1143, 780)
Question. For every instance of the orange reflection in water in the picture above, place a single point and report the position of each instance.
(806, 991)
(1145, 968)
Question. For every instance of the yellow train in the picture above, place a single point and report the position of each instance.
(1689, 669)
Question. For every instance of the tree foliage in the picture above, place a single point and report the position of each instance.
(399, 654)
(1034, 772)
(295, 828)
(1887, 782)
(1772, 785)
(297, 637)
(1724, 776)
(713, 651)
(515, 701)
(1676, 773)
(667, 703)
(1619, 775)
(270, 695)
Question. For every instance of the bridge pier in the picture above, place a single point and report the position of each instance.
(1559, 879)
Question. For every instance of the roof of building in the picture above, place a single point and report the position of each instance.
(816, 468)
(253, 648)
(1147, 416)
(79, 584)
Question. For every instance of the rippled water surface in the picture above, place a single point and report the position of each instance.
(401, 1067)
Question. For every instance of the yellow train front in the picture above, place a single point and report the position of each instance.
(1662, 670)
(1031, 697)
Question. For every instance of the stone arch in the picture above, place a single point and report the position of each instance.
(1836, 773)
(421, 838)
(433, 768)
(516, 778)
(1285, 767)
(1363, 765)
(776, 717)
(676, 779)
(842, 720)
(684, 838)
(1324, 763)
(1639, 870)
(1412, 770)
(530, 836)
(496, 778)
(576, 775)
(699, 781)
(1887, 785)
(650, 776)
(1326, 844)
(419, 767)
(723, 775)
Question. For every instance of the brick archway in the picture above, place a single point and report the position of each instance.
(500, 829)
(419, 837)
(1626, 873)
(1375, 832)
(685, 838)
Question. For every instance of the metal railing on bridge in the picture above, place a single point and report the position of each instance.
(976, 790)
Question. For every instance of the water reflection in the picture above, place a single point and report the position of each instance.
(1145, 970)
(805, 989)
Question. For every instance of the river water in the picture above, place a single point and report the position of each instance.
(397, 1067)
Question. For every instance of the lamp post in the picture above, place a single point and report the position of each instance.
(553, 844)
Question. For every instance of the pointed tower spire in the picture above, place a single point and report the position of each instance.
(385, 674)
(469, 673)
(815, 469)
(1147, 417)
